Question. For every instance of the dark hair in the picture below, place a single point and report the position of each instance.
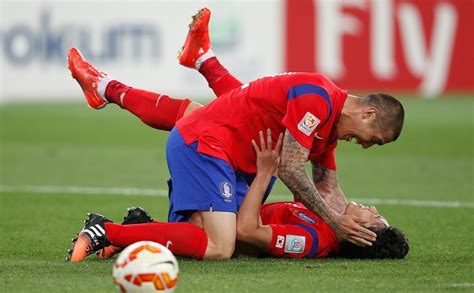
(390, 243)
(391, 112)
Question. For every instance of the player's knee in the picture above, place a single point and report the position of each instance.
(220, 229)
(221, 251)
(225, 253)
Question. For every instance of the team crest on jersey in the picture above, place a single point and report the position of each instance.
(306, 218)
(280, 241)
(295, 244)
(225, 189)
(308, 123)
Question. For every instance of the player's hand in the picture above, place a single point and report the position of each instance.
(268, 158)
(350, 228)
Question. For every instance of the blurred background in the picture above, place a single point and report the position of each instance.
(421, 47)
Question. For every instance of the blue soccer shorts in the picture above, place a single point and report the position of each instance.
(200, 182)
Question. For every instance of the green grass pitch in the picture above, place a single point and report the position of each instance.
(70, 145)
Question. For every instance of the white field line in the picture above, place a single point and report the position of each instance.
(462, 285)
(83, 190)
(50, 189)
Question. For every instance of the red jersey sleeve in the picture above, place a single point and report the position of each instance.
(308, 108)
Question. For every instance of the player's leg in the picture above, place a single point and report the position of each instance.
(183, 239)
(196, 53)
(156, 110)
(135, 215)
(202, 191)
(214, 240)
(220, 228)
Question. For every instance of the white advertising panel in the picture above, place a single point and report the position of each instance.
(133, 41)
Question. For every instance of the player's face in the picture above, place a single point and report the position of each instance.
(368, 214)
(361, 129)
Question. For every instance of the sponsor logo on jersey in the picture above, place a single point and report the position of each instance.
(308, 123)
(306, 218)
(295, 244)
(226, 191)
(280, 241)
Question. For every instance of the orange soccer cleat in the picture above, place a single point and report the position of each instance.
(109, 251)
(90, 239)
(197, 41)
(88, 78)
(135, 215)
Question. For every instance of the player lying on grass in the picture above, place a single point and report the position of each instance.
(207, 151)
(276, 229)
(291, 230)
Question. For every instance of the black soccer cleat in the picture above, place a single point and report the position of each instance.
(92, 238)
(134, 216)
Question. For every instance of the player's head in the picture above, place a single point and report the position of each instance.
(390, 243)
(368, 214)
(374, 119)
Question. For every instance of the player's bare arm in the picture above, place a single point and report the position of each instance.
(327, 184)
(293, 174)
(249, 227)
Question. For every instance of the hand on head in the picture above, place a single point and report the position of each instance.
(369, 215)
(359, 222)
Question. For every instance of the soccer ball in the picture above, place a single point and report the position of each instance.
(146, 266)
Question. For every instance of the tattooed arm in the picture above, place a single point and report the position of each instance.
(293, 174)
(327, 184)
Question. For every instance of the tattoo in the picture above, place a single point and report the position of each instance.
(327, 184)
(293, 174)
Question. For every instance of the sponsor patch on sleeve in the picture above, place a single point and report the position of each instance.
(295, 243)
(308, 123)
(306, 218)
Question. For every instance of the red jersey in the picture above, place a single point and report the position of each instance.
(307, 104)
(295, 213)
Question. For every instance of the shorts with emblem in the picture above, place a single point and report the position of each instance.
(200, 182)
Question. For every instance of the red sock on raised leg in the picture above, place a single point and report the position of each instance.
(183, 239)
(155, 110)
(218, 77)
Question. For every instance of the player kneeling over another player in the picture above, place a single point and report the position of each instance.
(286, 229)
(291, 230)
(209, 155)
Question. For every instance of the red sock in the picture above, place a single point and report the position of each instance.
(155, 110)
(219, 79)
(183, 239)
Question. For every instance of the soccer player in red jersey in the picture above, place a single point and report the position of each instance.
(312, 112)
(276, 229)
(291, 230)
(208, 154)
